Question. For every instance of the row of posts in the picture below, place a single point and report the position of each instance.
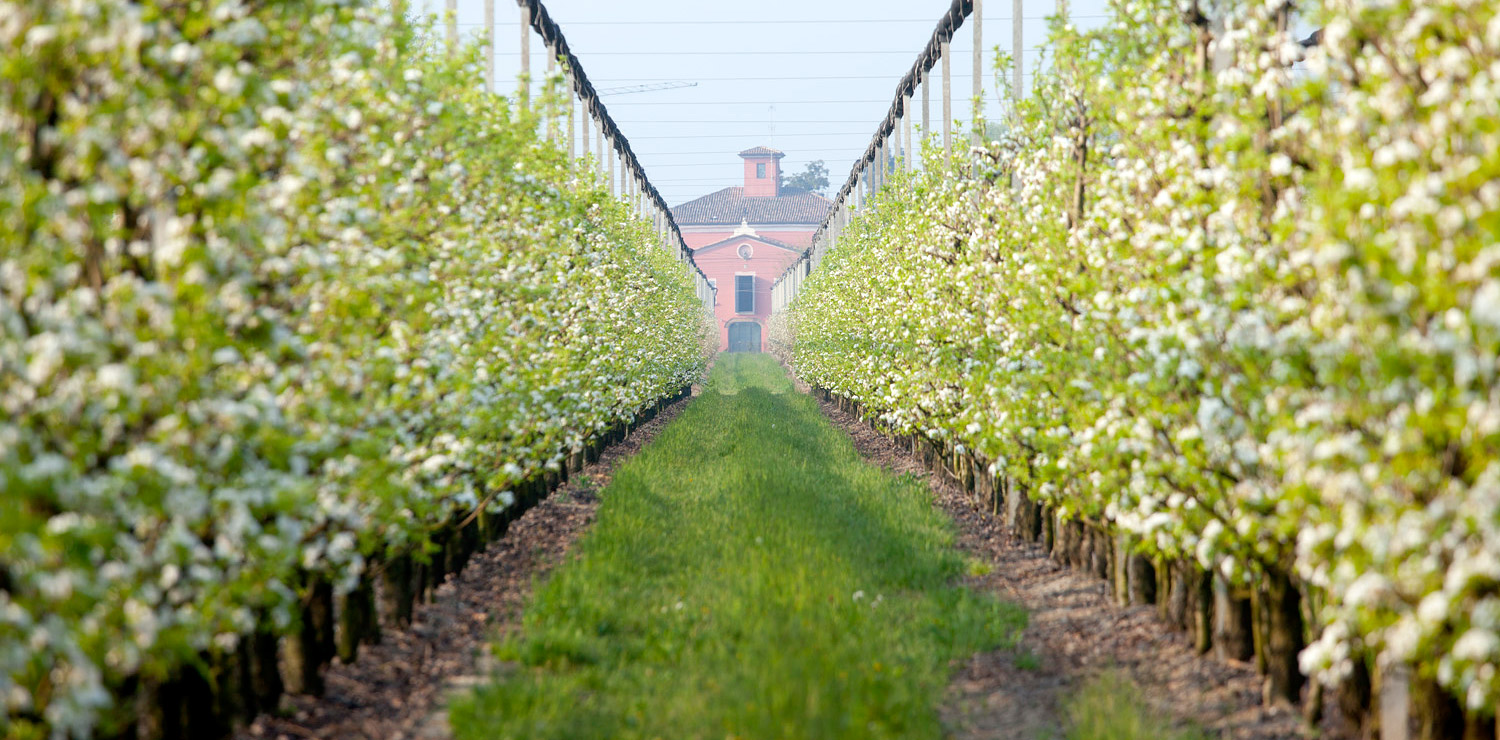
(625, 180)
(892, 148)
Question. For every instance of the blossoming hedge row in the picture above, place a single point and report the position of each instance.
(1234, 297)
(282, 293)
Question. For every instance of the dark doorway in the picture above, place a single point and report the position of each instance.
(744, 336)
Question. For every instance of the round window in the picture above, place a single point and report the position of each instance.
(745, 251)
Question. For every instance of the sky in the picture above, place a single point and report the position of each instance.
(812, 78)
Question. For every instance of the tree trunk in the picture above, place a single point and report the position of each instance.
(311, 646)
(1049, 528)
(984, 489)
(1142, 579)
(1201, 603)
(357, 621)
(1163, 587)
(236, 699)
(1284, 642)
(1261, 628)
(1178, 599)
(1121, 585)
(158, 710)
(1099, 562)
(1233, 626)
(1355, 696)
(265, 676)
(201, 710)
(1438, 713)
(1479, 727)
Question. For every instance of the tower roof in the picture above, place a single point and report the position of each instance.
(763, 151)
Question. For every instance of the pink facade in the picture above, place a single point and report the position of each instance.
(732, 263)
(799, 237)
(744, 238)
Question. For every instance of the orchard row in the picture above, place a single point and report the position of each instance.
(1234, 299)
(287, 302)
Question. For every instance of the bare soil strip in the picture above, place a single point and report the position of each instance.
(396, 689)
(1076, 631)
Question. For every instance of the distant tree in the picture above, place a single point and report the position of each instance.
(813, 179)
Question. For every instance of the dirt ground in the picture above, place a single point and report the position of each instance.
(1076, 632)
(395, 691)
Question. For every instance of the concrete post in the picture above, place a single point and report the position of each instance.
(489, 45)
(451, 20)
(926, 82)
(947, 103)
(525, 56)
(572, 118)
(908, 159)
(976, 136)
(613, 185)
(599, 145)
(551, 69)
(1018, 48)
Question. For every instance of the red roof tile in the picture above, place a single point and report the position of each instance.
(763, 151)
(730, 206)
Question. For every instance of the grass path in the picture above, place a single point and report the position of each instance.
(749, 576)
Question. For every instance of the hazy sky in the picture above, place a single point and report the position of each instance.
(809, 77)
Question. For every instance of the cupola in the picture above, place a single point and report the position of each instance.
(762, 172)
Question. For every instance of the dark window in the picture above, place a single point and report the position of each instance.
(760, 171)
(744, 294)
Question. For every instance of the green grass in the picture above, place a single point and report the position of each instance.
(1110, 708)
(748, 576)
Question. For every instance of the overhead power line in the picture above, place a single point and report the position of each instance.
(651, 87)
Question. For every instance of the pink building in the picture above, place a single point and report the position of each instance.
(743, 238)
